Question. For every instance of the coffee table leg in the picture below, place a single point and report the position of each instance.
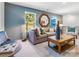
(48, 43)
(59, 48)
(76, 36)
(74, 42)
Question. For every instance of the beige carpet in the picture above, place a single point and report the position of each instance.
(42, 50)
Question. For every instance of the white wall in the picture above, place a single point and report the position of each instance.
(71, 20)
(1, 16)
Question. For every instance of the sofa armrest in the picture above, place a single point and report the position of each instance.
(31, 36)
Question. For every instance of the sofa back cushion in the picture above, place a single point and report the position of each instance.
(3, 37)
(46, 29)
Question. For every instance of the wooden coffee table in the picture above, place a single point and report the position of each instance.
(65, 39)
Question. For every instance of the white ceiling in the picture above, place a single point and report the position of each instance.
(61, 8)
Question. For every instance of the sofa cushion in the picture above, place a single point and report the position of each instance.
(42, 36)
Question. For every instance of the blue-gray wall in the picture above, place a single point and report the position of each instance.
(14, 18)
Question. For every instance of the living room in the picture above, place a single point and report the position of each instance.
(31, 26)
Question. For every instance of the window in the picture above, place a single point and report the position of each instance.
(71, 29)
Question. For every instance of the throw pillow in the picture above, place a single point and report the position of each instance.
(36, 32)
(42, 31)
(47, 29)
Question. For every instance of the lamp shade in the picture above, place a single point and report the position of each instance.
(61, 25)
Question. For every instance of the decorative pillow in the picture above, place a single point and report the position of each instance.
(42, 31)
(51, 30)
(47, 29)
(37, 32)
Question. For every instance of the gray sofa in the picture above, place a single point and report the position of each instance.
(36, 39)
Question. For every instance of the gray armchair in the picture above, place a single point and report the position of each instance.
(7, 47)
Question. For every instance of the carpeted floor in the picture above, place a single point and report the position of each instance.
(42, 50)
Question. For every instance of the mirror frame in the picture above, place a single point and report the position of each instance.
(40, 20)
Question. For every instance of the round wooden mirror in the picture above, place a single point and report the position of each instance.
(44, 20)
